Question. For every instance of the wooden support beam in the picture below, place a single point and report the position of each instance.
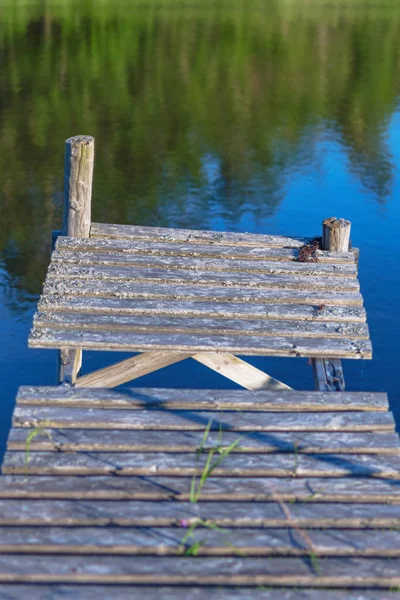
(328, 373)
(78, 178)
(239, 371)
(70, 363)
(130, 369)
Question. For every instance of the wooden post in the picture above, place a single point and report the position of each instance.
(328, 373)
(78, 177)
(336, 235)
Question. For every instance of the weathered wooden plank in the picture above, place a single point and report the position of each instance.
(216, 489)
(65, 271)
(177, 420)
(153, 291)
(195, 250)
(194, 343)
(221, 310)
(122, 592)
(195, 325)
(263, 400)
(71, 440)
(234, 465)
(65, 513)
(130, 369)
(120, 259)
(165, 234)
(294, 572)
(170, 542)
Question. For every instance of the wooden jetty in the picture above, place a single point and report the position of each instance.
(264, 492)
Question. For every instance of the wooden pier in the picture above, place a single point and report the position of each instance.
(264, 492)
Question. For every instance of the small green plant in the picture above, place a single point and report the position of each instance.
(196, 487)
(209, 467)
(32, 434)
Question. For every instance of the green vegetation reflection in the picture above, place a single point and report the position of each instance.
(198, 108)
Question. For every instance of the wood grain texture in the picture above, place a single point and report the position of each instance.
(196, 277)
(167, 541)
(193, 420)
(78, 175)
(172, 263)
(239, 371)
(193, 308)
(165, 234)
(232, 571)
(83, 440)
(195, 250)
(350, 490)
(130, 369)
(167, 464)
(264, 400)
(201, 293)
(194, 343)
(58, 591)
(96, 513)
(195, 325)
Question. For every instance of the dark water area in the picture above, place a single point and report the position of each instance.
(260, 116)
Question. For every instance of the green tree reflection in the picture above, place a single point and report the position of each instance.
(196, 107)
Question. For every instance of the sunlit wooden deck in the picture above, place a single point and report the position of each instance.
(263, 493)
(234, 489)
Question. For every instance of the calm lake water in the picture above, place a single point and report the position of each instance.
(262, 116)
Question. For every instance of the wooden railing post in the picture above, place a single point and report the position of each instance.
(328, 373)
(78, 177)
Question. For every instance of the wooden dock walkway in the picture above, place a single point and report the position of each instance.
(265, 492)
(197, 488)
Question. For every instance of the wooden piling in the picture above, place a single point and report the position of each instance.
(336, 234)
(78, 178)
(328, 373)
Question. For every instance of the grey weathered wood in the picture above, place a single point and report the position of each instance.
(336, 234)
(263, 400)
(166, 324)
(183, 514)
(151, 291)
(78, 175)
(328, 373)
(168, 464)
(70, 363)
(130, 369)
(67, 440)
(348, 314)
(168, 541)
(232, 571)
(193, 343)
(59, 270)
(164, 234)
(196, 250)
(122, 592)
(216, 489)
(153, 261)
(191, 420)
